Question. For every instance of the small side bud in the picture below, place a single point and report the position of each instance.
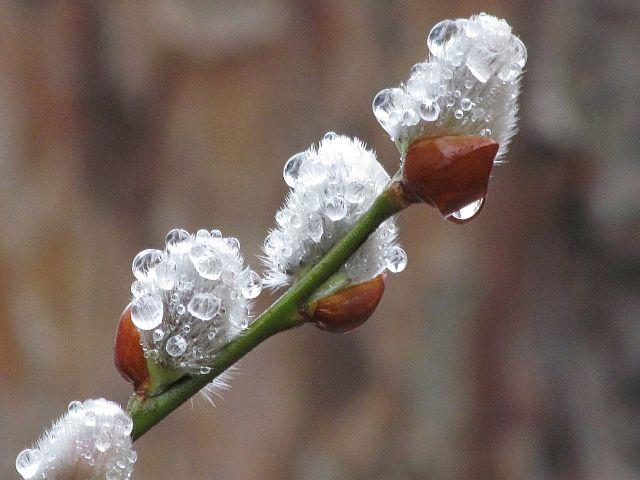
(450, 173)
(349, 308)
(127, 353)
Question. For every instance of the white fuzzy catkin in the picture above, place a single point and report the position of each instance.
(331, 187)
(191, 298)
(90, 441)
(469, 85)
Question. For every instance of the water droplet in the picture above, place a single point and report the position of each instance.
(250, 284)
(410, 118)
(203, 236)
(315, 228)
(139, 288)
(295, 221)
(383, 105)
(479, 63)
(468, 213)
(178, 241)
(330, 136)
(204, 370)
(146, 312)
(90, 419)
(429, 111)
(28, 462)
(204, 306)
(311, 200)
(206, 262)
(509, 72)
(440, 35)
(354, 192)
(396, 259)
(312, 173)
(176, 346)
(336, 209)
(458, 114)
(388, 107)
(468, 83)
(158, 334)
(233, 243)
(181, 309)
(292, 168)
(166, 274)
(485, 132)
(466, 104)
(75, 407)
(103, 442)
(520, 52)
(215, 233)
(124, 423)
(211, 335)
(145, 262)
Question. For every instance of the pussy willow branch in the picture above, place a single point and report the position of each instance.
(282, 315)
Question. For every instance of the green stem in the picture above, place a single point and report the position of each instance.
(282, 315)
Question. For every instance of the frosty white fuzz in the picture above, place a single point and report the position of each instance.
(469, 85)
(191, 298)
(90, 441)
(331, 187)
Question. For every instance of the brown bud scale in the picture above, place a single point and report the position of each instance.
(348, 308)
(449, 172)
(127, 353)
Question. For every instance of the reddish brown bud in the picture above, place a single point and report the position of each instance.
(450, 173)
(349, 308)
(127, 353)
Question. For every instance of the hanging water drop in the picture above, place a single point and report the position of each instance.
(396, 259)
(467, 213)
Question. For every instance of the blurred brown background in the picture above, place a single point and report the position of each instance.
(508, 349)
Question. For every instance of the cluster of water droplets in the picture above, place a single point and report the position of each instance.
(469, 85)
(191, 298)
(331, 187)
(92, 440)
